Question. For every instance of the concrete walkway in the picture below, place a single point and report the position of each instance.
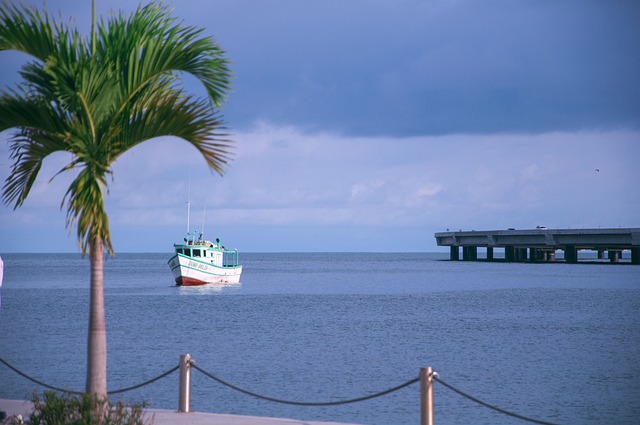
(168, 417)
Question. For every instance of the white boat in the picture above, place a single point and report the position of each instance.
(199, 262)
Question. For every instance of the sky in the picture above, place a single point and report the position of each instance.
(370, 125)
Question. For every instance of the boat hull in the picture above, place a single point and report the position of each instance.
(192, 272)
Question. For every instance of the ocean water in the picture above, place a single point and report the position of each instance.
(555, 342)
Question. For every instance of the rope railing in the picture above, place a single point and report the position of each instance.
(305, 403)
(51, 387)
(32, 379)
(425, 378)
(150, 381)
(490, 406)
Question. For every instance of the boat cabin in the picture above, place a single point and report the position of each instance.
(207, 251)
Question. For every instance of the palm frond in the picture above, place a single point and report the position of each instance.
(182, 117)
(40, 132)
(85, 209)
(29, 148)
(21, 109)
(97, 105)
(150, 44)
(26, 30)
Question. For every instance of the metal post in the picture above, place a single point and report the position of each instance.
(426, 396)
(184, 395)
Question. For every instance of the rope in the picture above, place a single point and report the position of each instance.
(303, 403)
(170, 371)
(497, 409)
(295, 403)
(79, 392)
(35, 380)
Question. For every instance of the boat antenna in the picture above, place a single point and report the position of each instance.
(189, 204)
(204, 213)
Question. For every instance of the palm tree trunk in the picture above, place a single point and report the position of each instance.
(97, 342)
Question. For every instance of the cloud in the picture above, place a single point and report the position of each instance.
(440, 67)
(360, 191)
(322, 178)
(288, 181)
(413, 68)
(429, 190)
(411, 116)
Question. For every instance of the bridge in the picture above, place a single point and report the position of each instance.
(541, 244)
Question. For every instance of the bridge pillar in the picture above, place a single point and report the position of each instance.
(536, 254)
(454, 253)
(548, 255)
(509, 253)
(543, 255)
(601, 254)
(635, 255)
(614, 255)
(521, 254)
(490, 253)
(570, 254)
(469, 253)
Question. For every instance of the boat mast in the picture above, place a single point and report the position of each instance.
(189, 204)
(204, 213)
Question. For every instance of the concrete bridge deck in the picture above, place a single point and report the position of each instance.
(541, 244)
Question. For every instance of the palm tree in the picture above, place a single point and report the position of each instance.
(97, 99)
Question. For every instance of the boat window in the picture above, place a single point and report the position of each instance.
(179, 250)
(187, 252)
(196, 252)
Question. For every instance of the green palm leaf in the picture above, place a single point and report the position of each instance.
(99, 106)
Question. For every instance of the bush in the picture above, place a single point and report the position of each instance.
(67, 409)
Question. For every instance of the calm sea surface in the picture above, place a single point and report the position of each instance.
(556, 342)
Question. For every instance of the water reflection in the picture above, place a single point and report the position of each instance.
(209, 289)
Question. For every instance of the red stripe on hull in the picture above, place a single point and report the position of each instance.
(187, 281)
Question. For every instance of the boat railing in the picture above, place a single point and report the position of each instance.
(193, 240)
(230, 258)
